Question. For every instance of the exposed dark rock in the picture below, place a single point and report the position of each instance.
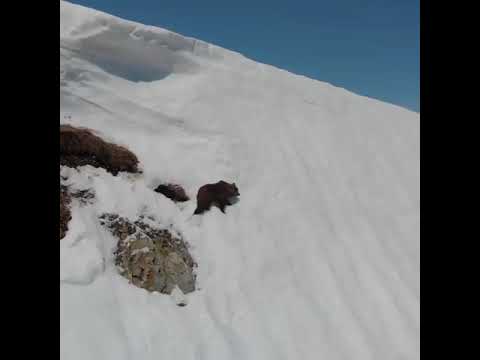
(65, 215)
(85, 197)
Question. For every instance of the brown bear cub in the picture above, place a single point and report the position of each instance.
(174, 192)
(220, 195)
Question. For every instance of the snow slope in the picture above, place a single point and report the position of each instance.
(318, 260)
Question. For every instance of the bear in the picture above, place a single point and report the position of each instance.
(219, 194)
(172, 191)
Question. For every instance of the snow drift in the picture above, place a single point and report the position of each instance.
(318, 260)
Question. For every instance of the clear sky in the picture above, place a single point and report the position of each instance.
(370, 47)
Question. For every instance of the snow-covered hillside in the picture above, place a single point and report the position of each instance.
(318, 260)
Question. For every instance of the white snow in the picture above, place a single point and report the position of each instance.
(320, 257)
(178, 296)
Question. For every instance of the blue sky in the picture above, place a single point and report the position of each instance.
(370, 47)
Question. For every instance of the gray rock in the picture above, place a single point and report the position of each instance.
(151, 258)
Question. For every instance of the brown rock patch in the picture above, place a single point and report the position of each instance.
(65, 215)
(79, 146)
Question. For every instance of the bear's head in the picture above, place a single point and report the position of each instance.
(234, 189)
(226, 189)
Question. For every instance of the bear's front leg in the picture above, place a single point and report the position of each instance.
(221, 206)
(199, 210)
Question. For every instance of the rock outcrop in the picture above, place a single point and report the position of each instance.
(65, 215)
(150, 257)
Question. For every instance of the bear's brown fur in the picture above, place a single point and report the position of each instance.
(172, 191)
(81, 147)
(219, 195)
